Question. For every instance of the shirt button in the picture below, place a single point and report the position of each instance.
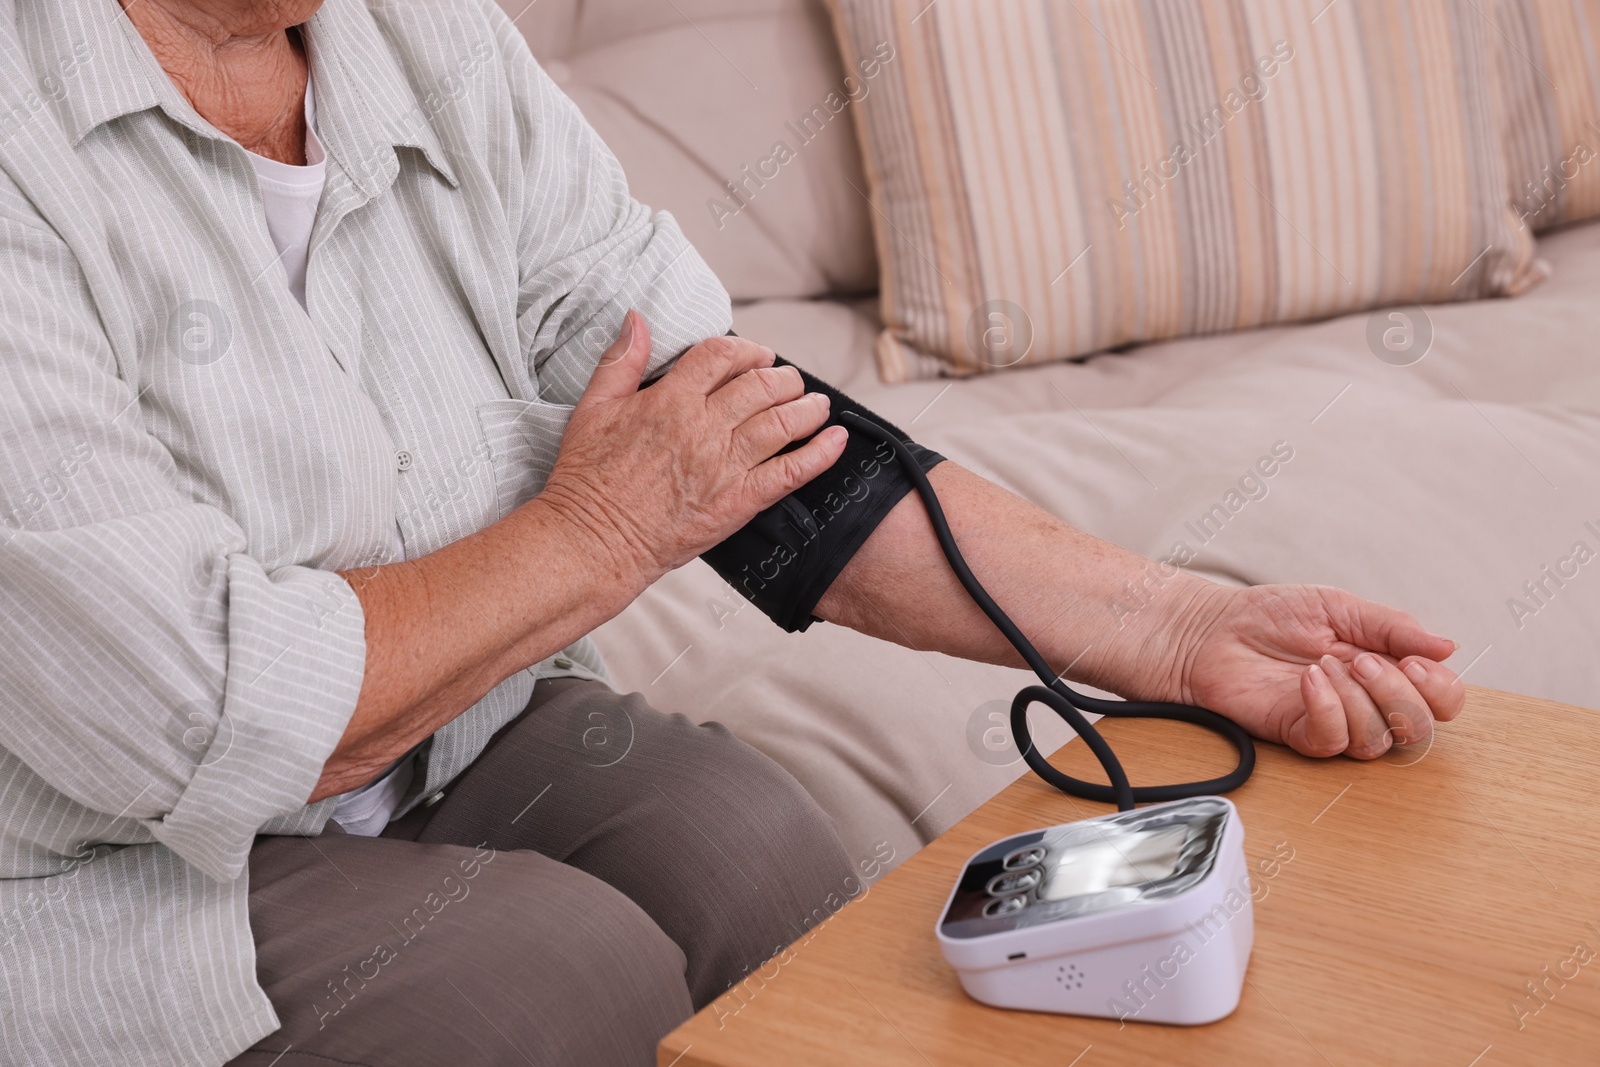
(562, 663)
(403, 460)
(431, 801)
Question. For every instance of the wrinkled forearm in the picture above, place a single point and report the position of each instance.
(1100, 613)
(445, 629)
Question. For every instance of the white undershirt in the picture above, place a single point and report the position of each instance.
(290, 195)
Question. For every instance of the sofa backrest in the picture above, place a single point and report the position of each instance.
(694, 94)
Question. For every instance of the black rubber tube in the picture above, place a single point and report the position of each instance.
(1056, 694)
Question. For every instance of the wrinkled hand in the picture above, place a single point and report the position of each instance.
(660, 475)
(1318, 669)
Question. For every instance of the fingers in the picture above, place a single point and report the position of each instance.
(1370, 735)
(622, 365)
(1368, 624)
(1403, 708)
(1444, 692)
(1322, 731)
(715, 362)
(783, 474)
(1365, 707)
(761, 437)
(757, 390)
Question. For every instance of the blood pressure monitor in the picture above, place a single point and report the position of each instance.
(1144, 914)
(1140, 915)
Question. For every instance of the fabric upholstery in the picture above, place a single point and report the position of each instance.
(1137, 171)
(1549, 68)
(696, 94)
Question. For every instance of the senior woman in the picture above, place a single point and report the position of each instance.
(314, 479)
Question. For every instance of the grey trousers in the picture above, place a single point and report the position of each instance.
(598, 873)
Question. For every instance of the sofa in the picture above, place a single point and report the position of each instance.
(1445, 487)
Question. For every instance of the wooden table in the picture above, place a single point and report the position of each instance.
(1411, 900)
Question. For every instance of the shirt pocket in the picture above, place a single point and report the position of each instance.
(524, 437)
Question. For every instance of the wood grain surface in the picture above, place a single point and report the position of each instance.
(1404, 907)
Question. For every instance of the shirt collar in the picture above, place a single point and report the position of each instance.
(93, 66)
(365, 106)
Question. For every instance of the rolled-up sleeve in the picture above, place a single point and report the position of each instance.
(150, 668)
(588, 251)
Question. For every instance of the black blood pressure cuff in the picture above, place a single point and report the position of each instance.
(785, 558)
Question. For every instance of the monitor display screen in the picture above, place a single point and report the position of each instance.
(1086, 868)
(1117, 860)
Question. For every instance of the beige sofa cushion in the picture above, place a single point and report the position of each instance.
(1549, 65)
(1054, 180)
(689, 94)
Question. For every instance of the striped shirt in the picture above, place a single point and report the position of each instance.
(187, 456)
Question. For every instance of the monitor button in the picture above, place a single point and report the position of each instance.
(1003, 885)
(1022, 858)
(1004, 906)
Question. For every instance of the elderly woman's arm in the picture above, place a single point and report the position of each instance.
(1315, 668)
(646, 480)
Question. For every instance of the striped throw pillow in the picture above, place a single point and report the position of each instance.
(1052, 178)
(1549, 65)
